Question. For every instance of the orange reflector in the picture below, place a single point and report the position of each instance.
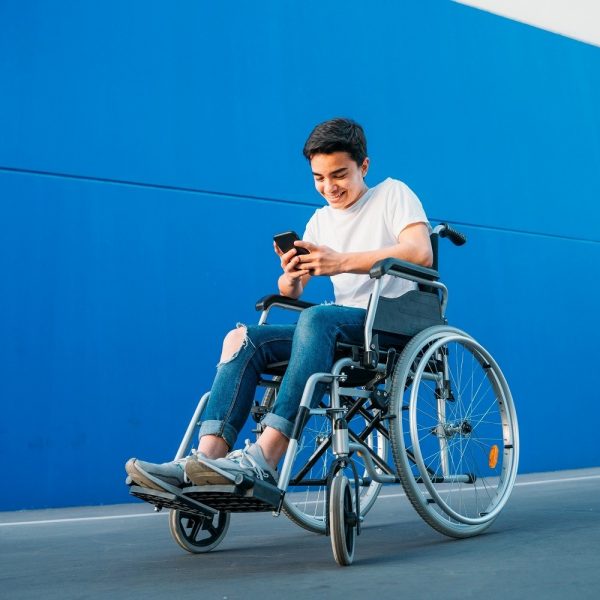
(493, 456)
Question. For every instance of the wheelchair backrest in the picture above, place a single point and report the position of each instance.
(418, 309)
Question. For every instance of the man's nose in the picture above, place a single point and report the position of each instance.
(330, 186)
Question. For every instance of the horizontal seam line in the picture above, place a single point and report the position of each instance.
(517, 231)
(158, 186)
(192, 190)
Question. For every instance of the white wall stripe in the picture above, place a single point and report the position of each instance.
(577, 19)
(83, 519)
(522, 484)
(152, 514)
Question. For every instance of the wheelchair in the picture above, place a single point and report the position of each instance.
(420, 403)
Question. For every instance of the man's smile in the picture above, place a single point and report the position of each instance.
(336, 196)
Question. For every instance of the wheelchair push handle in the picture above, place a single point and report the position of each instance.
(456, 237)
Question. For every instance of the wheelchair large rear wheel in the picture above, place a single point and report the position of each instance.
(455, 436)
(306, 505)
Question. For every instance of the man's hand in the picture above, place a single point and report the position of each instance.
(290, 263)
(322, 260)
(291, 283)
(413, 245)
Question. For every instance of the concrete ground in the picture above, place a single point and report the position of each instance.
(545, 544)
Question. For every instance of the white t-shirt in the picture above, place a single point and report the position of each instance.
(374, 222)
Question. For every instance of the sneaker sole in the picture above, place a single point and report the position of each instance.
(138, 478)
(201, 474)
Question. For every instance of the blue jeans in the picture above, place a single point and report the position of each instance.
(309, 346)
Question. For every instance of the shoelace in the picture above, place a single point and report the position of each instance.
(247, 461)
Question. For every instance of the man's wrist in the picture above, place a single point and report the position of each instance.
(290, 282)
(345, 265)
(290, 287)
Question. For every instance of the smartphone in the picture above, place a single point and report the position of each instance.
(285, 242)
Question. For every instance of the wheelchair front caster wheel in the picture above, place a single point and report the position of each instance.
(198, 534)
(342, 520)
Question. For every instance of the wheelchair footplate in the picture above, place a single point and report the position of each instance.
(166, 499)
(257, 497)
(240, 494)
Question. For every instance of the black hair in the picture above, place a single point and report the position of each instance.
(337, 135)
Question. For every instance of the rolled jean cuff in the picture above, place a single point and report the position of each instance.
(276, 422)
(220, 429)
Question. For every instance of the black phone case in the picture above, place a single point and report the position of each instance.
(285, 242)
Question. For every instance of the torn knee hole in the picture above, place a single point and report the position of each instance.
(234, 341)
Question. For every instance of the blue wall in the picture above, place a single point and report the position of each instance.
(149, 150)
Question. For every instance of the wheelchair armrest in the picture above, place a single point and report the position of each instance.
(395, 266)
(266, 301)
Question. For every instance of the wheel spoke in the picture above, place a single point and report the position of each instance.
(196, 528)
(195, 533)
(454, 437)
(211, 528)
(307, 505)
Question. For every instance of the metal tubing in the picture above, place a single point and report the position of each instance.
(432, 376)
(374, 301)
(265, 313)
(442, 413)
(370, 319)
(182, 451)
(290, 454)
(307, 394)
(449, 479)
(370, 465)
(335, 386)
(354, 392)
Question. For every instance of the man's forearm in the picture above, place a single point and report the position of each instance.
(289, 289)
(361, 262)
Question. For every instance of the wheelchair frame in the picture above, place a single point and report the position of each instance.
(428, 438)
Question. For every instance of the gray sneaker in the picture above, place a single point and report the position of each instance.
(249, 461)
(169, 472)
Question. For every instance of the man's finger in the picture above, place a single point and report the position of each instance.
(289, 254)
(292, 265)
(302, 244)
(306, 260)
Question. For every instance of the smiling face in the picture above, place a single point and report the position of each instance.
(338, 178)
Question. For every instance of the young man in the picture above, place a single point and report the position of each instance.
(358, 227)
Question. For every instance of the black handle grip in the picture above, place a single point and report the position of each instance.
(387, 265)
(266, 301)
(456, 237)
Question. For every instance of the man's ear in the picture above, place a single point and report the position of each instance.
(365, 167)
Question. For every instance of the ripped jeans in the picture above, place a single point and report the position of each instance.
(309, 346)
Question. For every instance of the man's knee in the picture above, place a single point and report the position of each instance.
(233, 342)
(315, 321)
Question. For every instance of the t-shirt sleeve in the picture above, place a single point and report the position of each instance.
(311, 232)
(404, 208)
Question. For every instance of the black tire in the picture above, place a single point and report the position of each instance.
(342, 520)
(455, 447)
(198, 534)
(307, 508)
